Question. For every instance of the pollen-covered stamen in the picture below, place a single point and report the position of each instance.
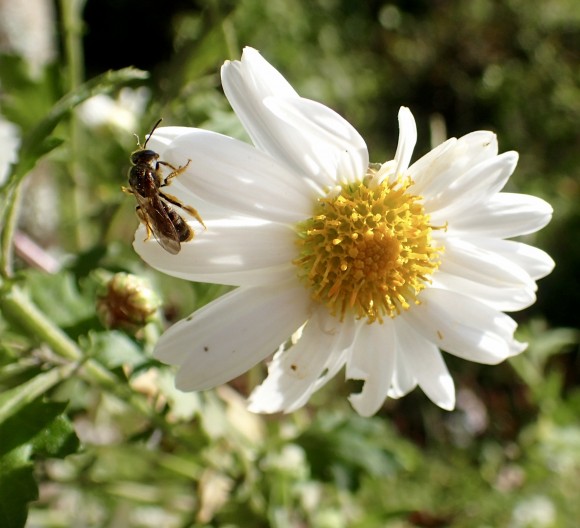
(367, 249)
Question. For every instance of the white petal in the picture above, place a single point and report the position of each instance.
(477, 146)
(256, 75)
(464, 327)
(407, 140)
(344, 344)
(372, 360)
(534, 261)
(246, 84)
(503, 298)
(475, 263)
(439, 169)
(249, 83)
(472, 187)
(322, 141)
(424, 360)
(162, 137)
(209, 211)
(425, 172)
(233, 174)
(503, 215)
(228, 336)
(265, 79)
(293, 374)
(238, 253)
(403, 380)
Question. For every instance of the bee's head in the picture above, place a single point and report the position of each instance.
(144, 156)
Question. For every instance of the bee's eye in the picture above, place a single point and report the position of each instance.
(144, 156)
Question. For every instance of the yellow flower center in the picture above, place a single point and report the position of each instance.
(367, 249)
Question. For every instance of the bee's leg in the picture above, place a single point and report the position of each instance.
(191, 210)
(144, 221)
(127, 190)
(176, 171)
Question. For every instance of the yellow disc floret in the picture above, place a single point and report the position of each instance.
(367, 249)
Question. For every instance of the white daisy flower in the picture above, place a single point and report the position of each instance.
(122, 112)
(376, 268)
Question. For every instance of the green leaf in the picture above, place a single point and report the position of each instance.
(32, 420)
(57, 440)
(18, 309)
(58, 296)
(38, 430)
(17, 487)
(38, 141)
(25, 97)
(14, 400)
(114, 349)
(344, 450)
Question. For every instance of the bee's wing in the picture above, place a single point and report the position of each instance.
(154, 213)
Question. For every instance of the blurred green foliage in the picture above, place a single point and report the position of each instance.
(151, 456)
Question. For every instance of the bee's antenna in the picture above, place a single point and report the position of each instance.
(151, 133)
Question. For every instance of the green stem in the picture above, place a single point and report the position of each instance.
(14, 399)
(12, 210)
(18, 307)
(72, 25)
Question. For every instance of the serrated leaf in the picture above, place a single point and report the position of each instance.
(29, 422)
(57, 440)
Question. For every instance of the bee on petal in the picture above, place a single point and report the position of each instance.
(154, 205)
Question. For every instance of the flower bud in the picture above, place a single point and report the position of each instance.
(128, 303)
